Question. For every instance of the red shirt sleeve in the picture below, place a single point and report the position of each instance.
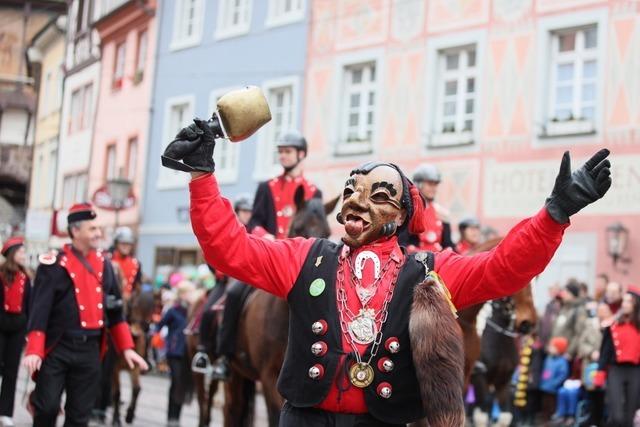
(523, 254)
(272, 266)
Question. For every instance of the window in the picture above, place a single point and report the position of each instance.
(53, 156)
(573, 81)
(187, 23)
(358, 108)
(110, 165)
(282, 97)
(82, 17)
(456, 96)
(81, 105)
(118, 70)
(178, 114)
(74, 189)
(283, 12)
(132, 159)
(141, 58)
(226, 152)
(234, 18)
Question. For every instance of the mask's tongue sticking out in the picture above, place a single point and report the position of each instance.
(354, 226)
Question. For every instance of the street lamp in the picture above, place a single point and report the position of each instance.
(617, 240)
(118, 189)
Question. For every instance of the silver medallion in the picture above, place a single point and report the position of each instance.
(362, 328)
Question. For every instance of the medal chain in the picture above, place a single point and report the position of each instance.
(344, 309)
(370, 289)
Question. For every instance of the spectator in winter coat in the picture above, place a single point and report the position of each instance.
(571, 319)
(175, 319)
(613, 296)
(554, 373)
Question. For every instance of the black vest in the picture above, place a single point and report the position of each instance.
(404, 405)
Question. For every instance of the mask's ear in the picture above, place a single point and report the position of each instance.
(331, 204)
(298, 199)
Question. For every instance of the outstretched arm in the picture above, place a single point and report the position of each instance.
(529, 246)
(269, 265)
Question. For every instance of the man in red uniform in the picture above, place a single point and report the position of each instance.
(437, 235)
(129, 265)
(372, 337)
(75, 297)
(273, 208)
(469, 235)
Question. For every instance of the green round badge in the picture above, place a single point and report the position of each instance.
(317, 287)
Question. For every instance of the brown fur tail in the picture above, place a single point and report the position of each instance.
(438, 356)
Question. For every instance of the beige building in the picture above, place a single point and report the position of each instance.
(47, 57)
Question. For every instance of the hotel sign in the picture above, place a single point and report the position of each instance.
(519, 189)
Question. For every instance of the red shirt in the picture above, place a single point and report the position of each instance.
(275, 265)
(431, 238)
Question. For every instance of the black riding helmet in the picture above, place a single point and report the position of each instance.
(294, 139)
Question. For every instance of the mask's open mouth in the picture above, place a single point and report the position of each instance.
(355, 225)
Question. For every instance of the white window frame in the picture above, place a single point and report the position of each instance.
(459, 135)
(276, 17)
(223, 29)
(119, 64)
(229, 173)
(169, 179)
(434, 138)
(342, 147)
(547, 28)
(111, 164)
(132, 158)
(266, 138)
(180, 41)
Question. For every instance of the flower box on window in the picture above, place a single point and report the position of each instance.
(447, 139)
(569, 127)
(117, 84)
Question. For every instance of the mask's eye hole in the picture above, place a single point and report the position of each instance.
(380, 196)
(347, 193)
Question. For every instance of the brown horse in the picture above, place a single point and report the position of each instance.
(263, 329)
(496, 350)
(205, 387)
(138, 310)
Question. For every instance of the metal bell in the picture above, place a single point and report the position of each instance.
(316, 371)
(319, 327)
(319, 348)
(384, 390)
(386, 365)
(392, 345)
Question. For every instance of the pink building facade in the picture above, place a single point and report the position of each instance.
(128, 40)
(492, 92)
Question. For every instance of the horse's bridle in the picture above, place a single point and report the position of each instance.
(504, 304)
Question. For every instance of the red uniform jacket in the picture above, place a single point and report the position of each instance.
(274, 265)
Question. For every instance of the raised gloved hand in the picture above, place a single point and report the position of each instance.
(574, 191)
(193, 145)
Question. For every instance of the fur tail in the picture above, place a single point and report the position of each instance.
(438, 356)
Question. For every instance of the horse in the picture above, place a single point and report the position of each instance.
(497, 349)
(205, 387)
(139, 310)
(261, 350)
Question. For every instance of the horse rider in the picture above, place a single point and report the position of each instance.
(273, 209)
(123, 243)
(15, 284)
(75, 298)
(470, 235)
(437, 235)
(372, 333)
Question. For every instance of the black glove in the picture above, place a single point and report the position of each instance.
(574, 191)
(193, 145)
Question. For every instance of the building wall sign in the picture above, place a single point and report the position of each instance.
(515, 189)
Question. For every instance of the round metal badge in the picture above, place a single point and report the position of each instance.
(361, 375)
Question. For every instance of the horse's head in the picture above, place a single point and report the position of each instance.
(526, 315)
(310, 219)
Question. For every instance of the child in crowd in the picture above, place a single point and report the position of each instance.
(554, 372)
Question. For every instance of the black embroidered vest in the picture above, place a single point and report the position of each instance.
(404, 405)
